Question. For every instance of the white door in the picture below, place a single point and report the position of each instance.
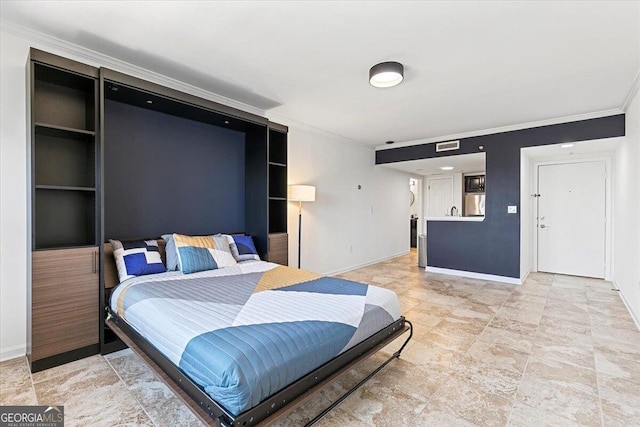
(439, 196)
(572, 218)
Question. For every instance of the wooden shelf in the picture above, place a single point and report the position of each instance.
(64, 188)
(55, 129)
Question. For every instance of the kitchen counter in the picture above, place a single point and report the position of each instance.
(456, 218)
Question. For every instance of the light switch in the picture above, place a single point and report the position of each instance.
(512, 209)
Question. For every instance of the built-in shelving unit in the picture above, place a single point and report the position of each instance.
(71, 164)
(278, 237)
(64, 204)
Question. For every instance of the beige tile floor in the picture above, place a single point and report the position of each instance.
(556, 351)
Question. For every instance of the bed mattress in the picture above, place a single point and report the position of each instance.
(245, 332)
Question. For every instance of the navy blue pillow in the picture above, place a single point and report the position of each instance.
(243, 248)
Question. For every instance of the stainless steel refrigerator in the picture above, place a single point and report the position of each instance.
(473, 204)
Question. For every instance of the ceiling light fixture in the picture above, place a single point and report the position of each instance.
(446, 168)
(386, 74)
(569, 145)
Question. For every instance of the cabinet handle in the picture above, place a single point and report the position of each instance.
(95, 262)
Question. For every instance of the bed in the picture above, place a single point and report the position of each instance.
(245, 340)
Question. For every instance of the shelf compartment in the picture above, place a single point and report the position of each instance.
(64, 218)
(64, 158)
(277, 216)
(64, 99)
(277, 147)
(277, 181)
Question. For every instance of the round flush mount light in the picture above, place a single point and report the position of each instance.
(386, 74)
(569, 145)
(446, 168)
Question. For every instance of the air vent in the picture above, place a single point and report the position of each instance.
(447, 146)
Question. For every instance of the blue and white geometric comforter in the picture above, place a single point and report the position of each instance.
(245, 332)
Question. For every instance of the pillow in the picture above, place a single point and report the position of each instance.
(171, 253)
(137, 258)
(242, 248)
(199, 253)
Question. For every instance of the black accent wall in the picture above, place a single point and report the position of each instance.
(167, 174)
(493, 246)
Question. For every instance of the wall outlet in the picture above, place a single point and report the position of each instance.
(512, 209)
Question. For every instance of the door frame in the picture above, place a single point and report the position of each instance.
(608, 204)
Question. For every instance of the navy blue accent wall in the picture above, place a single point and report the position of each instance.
(166, 174)
(493, 246)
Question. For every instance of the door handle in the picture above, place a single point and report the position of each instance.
(543, 226)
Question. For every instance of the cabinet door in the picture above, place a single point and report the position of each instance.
(279, 248)
(64, 301)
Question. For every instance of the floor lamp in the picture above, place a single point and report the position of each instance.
(301, 193)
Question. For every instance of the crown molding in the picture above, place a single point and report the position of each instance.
(97, 59)
(508, 128)
(304, 126)
(632, 92)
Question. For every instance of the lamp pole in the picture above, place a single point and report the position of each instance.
(299, 231)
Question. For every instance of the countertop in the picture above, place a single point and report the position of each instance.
(456, 218)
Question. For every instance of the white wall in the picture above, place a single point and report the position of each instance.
(345, 227)
(626, 212)
(13, 196)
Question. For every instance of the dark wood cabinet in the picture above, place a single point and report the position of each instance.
(279, 248)
(413, 232)
(64, 306)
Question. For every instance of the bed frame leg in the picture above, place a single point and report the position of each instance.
(361, 383)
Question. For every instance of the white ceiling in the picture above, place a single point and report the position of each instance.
(468, 65)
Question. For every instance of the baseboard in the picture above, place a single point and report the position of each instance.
(13, 352)
(366, 264)
(626, 304)
(473, 275)
(523, 278)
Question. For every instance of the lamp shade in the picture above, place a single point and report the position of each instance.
(386, 74)
(301, 193)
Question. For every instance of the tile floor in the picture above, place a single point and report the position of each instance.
(556, 351)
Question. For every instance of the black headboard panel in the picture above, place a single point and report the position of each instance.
(164, 173)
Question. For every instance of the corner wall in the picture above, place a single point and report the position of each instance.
(345, 227)
(626, 212)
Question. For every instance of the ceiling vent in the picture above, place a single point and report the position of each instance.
(447, 146)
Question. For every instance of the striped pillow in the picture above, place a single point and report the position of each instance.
(199, 253)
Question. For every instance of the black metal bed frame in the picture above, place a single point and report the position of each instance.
(277, 401)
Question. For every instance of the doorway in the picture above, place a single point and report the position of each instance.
(415, 210)
(571, 226)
